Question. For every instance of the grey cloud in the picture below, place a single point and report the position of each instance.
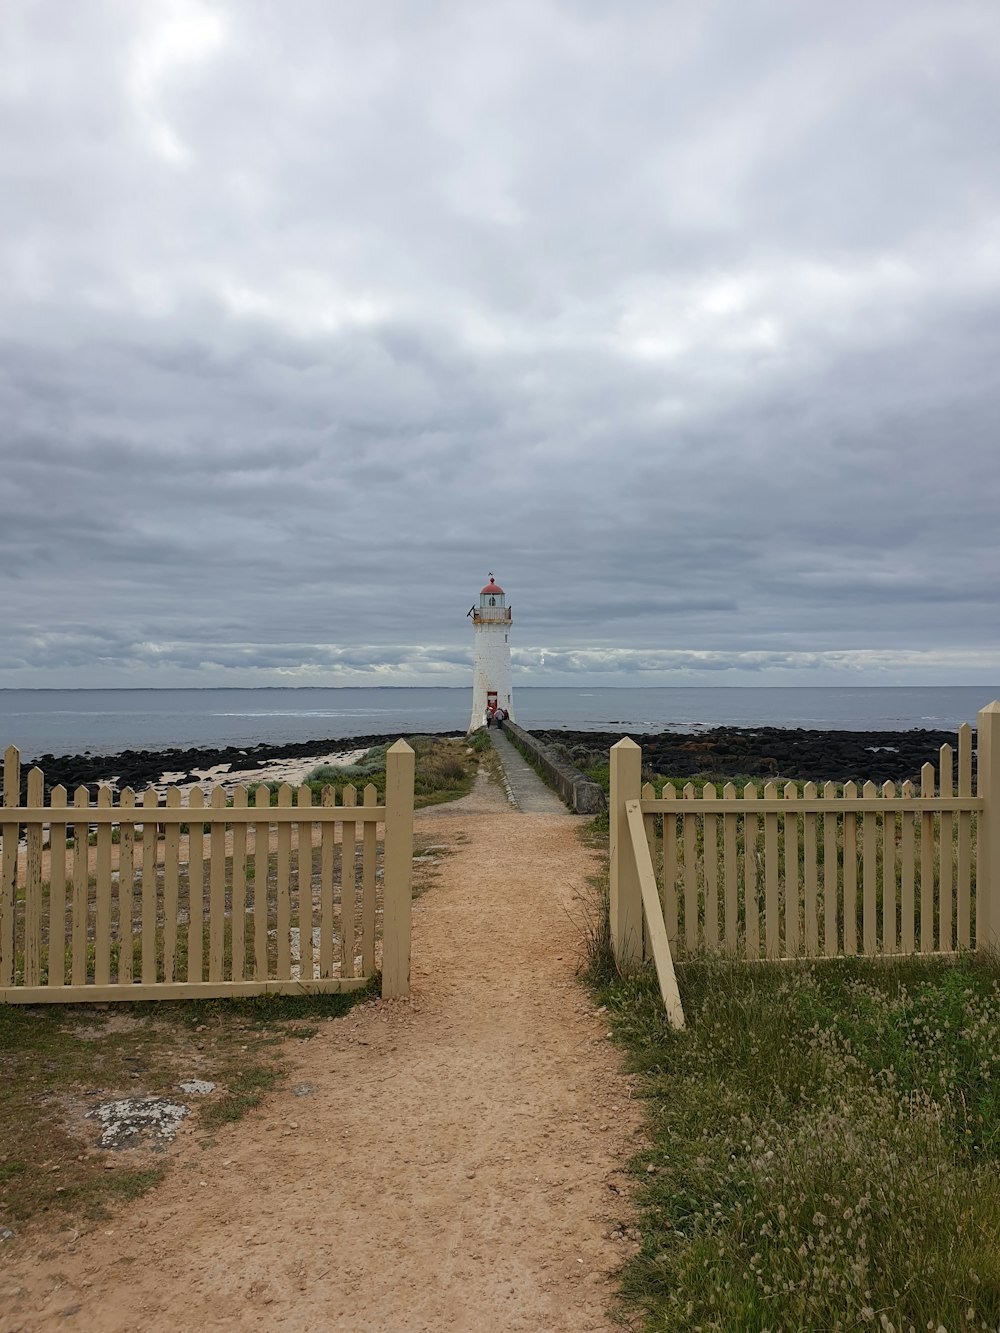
(683, 320)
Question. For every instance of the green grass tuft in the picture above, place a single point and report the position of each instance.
(825, 1145)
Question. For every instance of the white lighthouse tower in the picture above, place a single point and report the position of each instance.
(491, 687)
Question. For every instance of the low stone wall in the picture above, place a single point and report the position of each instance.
(577, 790)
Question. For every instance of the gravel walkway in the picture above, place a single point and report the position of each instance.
(457, 1163)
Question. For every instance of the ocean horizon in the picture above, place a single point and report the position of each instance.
(64, 722)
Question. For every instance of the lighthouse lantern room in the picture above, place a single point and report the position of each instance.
(492, 695)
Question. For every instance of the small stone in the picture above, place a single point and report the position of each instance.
(470, 1175)
(6, 1234)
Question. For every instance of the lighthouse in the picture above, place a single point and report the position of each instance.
(491, 687)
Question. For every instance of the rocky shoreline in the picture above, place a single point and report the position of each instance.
(721, 753)
(141, 768)
(724, 753)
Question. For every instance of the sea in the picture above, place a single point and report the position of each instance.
(64, 722)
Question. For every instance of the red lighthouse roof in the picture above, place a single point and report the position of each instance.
(492, 587)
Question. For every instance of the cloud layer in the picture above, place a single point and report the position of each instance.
(684, 320)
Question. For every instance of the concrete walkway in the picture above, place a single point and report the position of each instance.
(528, 791)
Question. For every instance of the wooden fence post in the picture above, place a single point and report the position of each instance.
(988, 860)
(626, 893)
(396, 890)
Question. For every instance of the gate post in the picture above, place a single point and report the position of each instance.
(988, 861)
(396, 890)
(626, 895)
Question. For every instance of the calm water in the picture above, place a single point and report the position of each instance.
(107, 721)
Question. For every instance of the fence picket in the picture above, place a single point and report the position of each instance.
(730, 868)
(217, 890)
(305, 917)
(751, 913)
(963, 885)
(946, 852)
(81, 885)
(927, 864)
(792, 880)
(670, 908)
(711, 854)
(326, 891)
(33, 901)
(58, 895)
(261, 877)
(689, 824)
(102, 892)
(810, 874)
(171, 887)
(772, 946)
(196, 885)
(8, 866)
(889, 931)
(369, 856)
(283, 904)
(238, 921)
(348, 885)
(850, 874)
(869, 874)
(830, 876)
(907, 863)
(150, 848)
(126, 887)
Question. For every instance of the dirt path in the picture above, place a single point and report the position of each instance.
(456, 1164)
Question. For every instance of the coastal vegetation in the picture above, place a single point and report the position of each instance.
(445, 770)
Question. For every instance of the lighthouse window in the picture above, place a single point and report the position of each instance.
(493, 601)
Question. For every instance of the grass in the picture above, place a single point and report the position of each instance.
(60, 1062)
(824, 1144)
(444, 770)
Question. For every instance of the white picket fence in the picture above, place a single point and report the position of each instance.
(193, 900)
(814, 873)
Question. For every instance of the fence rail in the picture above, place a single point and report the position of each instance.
(816, 872)
(146, 899)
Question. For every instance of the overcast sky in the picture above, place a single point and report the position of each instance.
(682, 318)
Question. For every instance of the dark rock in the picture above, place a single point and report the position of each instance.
(771, 752)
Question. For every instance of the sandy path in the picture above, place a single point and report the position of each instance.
(456, 1165)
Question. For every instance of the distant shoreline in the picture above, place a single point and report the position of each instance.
(723, 752)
